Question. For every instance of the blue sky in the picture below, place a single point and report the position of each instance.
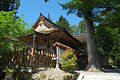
(32, 9)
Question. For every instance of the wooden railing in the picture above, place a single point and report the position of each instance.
(28, 58)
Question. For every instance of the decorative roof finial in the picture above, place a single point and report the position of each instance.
(41, 14)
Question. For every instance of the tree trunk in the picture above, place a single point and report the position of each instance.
(107, 64)
(113, 60)
(93, 56)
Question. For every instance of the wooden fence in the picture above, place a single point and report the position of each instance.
(28, 58)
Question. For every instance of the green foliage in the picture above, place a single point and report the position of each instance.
(81, 6)
(80, 29)
(117, 62)
(9, 5)
(95, 10)
(10, 29)
(81, 26)
(75, 29)
(90, 9)
(63, 23)
(108, 35)
(69, 60)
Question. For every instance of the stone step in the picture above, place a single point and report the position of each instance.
(101, 76)
(100, 79)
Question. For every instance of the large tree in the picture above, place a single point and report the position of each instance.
(9, 5)
(88, 9)
(84, 8)
(63, 23)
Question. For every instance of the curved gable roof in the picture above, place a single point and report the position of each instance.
(45, 21)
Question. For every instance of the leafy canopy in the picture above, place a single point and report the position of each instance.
(108, 34)
(81, 6)
(78, 29)
(10, 29)
(9, 5)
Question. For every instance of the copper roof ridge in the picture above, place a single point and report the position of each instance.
(41, 17)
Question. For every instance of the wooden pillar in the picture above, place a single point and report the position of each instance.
(57, 59)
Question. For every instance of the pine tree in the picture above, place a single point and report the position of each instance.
(63, 23)
(88, 10)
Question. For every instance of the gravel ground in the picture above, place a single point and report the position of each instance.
(51, 74)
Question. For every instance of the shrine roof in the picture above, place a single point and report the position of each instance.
(61, 36)
(46, 21)
(81, 37)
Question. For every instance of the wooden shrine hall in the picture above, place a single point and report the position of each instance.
(47, 34)
(47, 42)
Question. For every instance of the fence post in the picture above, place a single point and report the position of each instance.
(32, 55)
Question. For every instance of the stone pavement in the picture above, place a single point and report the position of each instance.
(51, 74)
(107, 75)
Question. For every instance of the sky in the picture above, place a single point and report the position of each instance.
(32, 9)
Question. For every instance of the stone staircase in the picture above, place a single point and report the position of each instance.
(99, 76)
